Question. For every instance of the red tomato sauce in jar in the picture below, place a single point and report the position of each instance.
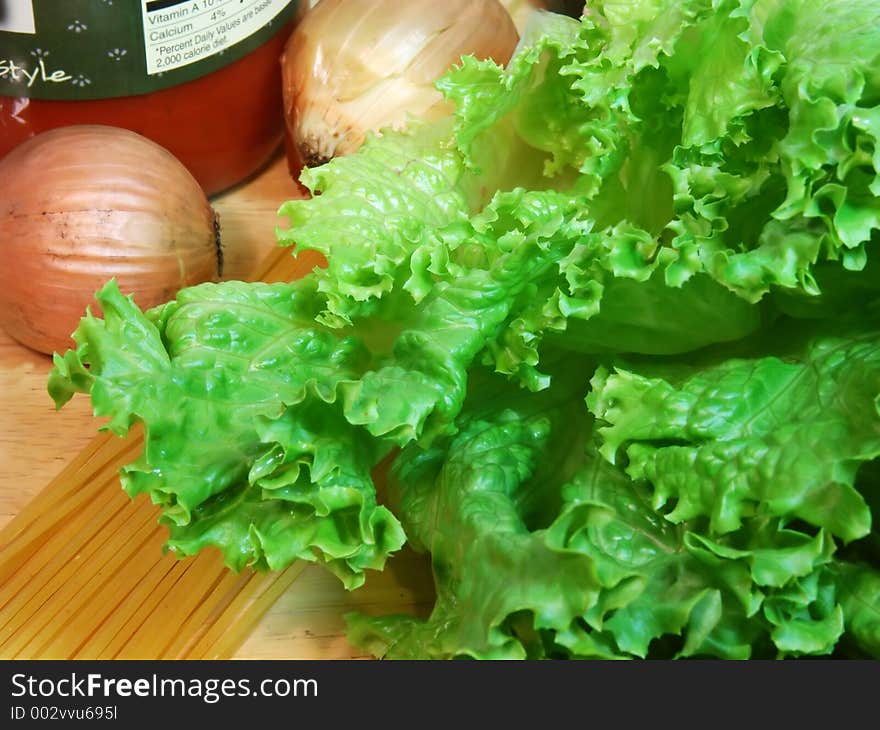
(221, 118)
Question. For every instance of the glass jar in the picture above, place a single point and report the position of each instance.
(199, 77)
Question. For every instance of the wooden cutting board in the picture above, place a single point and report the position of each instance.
(36, 443)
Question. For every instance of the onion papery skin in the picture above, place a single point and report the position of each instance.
(354, 67)
(83, 204)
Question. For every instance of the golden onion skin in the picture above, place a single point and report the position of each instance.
(352, 67)
(80, 205)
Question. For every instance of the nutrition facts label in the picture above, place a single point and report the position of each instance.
(180, 32)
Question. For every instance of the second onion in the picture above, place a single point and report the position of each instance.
(80, 205)
(352, 67)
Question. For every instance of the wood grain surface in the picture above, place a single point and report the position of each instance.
(36, 442)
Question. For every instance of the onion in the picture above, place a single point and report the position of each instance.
(351, 67)
(522, 10)
(80, 205)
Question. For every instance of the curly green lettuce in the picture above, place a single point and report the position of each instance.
(650, 196)
(544, 546)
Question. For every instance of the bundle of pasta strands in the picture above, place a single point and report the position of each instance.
(83, 574)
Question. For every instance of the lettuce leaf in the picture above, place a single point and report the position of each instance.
(541, 548)
(773, 435)
(215, 377)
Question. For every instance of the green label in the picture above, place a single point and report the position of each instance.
(95, 49)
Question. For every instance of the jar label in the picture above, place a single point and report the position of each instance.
(96, 49)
